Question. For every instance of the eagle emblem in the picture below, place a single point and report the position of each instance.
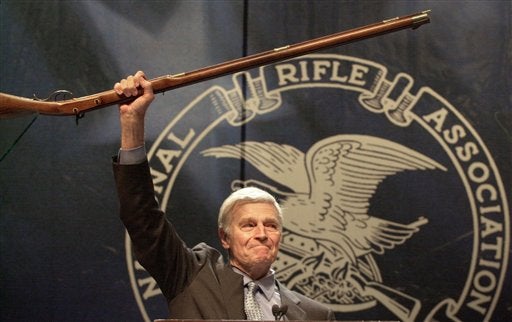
(327, 198)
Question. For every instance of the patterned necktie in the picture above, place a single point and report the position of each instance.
(252, 308)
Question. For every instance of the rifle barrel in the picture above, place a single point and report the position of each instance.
(11, 105)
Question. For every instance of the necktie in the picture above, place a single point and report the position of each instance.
(252, 308)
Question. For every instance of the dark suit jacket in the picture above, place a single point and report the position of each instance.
(196, 282)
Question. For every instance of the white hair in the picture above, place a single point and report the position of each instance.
(245, 196)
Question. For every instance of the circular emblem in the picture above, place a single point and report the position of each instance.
(406, 218)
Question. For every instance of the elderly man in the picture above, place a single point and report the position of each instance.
(197, 282)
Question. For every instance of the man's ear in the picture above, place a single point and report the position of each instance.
(224, 238)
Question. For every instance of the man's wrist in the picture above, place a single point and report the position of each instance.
(132, 130)
(132, 155)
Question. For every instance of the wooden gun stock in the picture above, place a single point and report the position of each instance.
(11, 106)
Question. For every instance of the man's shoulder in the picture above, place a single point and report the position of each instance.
(205, 252)
(314, 309)
(304, 300)
(205, 248)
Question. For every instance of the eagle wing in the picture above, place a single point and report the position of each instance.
(350, 167)
(280, 162)
(347, 169)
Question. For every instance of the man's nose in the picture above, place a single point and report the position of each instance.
(260, 231)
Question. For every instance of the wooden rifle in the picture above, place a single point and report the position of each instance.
(12, 106)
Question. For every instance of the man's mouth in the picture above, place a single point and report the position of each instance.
(259, 246)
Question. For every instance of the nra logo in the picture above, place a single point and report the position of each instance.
(394, 207)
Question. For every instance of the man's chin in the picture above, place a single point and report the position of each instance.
(266, 258)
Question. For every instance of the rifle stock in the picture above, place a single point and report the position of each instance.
(12, 106)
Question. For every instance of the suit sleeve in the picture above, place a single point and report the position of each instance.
(155, 243)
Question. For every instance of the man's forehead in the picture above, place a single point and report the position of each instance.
(255, 209)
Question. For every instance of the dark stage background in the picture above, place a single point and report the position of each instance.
(62, 247)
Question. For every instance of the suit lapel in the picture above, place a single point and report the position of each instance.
(231, 285)
(288, 298)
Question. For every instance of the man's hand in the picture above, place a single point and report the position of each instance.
(132, 114)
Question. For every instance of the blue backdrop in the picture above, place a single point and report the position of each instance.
(438, 97)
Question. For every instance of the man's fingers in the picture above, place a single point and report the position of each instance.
(140, 74)
(147, 86)
(118, 88)
(130, 85)
(127, 86)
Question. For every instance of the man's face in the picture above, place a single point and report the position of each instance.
(253, 241)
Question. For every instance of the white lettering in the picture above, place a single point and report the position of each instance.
(320, 70)
(478, 300)
(438, 117)
(496, 248)
(481, 168)
(492, 193)
(182, 142)
(357, 74)
(158, 177)
(286, 74)
(490, 209)
(484, 281)
(335, 77)
(166, 156)
(151, 289)
(487, 263)
(304, 71)
(466, 151)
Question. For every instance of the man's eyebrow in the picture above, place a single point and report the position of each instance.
(271, 220)
(256, 218)
(247, 218)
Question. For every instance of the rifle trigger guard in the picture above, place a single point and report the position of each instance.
(78, 115)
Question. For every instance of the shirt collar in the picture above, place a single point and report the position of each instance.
(267, 283)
